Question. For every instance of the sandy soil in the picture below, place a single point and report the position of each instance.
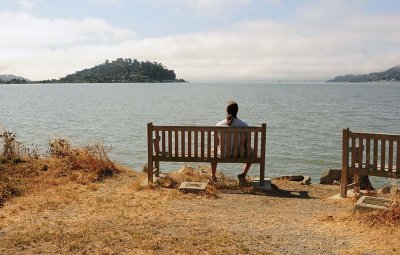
(118, 217)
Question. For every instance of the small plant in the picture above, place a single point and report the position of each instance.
(60, 148)
(10, 145)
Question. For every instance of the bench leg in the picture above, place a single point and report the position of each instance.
(262, 173)
(150, 171)
(157, 166)
(343, 183)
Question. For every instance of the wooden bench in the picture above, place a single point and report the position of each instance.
(369, 154)
(200, 144)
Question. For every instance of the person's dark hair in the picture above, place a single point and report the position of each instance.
(231, 110)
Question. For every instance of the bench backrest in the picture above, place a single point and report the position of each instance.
(202, 143)
(370, 154)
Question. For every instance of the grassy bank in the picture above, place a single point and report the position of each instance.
(76, 201)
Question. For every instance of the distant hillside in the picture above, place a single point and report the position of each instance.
(122, 70)
(393, 74)
(11, 79)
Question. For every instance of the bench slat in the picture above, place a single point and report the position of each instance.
(183, 142)
(206, 128)
(390, 162)
(176, 143)
(375, 153)
(202, 143)
(248, 145)
(190, 143)
(368, 152)
(398, 156)
(383, 150)
(255, 149)
(209, 143)
(170, 143)
(196, 143)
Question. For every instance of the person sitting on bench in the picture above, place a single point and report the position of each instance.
(231, 120)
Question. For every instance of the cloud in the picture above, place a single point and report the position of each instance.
(310, 46)
(26, 4)
(208, 6)
(24, 29)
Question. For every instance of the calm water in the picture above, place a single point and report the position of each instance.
(304, 120)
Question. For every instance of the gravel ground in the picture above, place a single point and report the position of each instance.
(118, 217)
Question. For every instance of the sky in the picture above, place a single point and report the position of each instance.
(202, 40)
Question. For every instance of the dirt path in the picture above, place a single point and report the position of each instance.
(116, 217)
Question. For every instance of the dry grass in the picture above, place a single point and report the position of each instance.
(381, 218)
(22, 170)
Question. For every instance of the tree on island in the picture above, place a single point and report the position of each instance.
(122, 70)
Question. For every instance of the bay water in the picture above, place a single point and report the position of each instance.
(304, 120)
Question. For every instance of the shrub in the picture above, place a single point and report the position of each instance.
(10, 145)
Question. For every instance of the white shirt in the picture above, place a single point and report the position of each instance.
(235, 123)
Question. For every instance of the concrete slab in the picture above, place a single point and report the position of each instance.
(267, 184)
(193, 187)
(350, 194)
(367, 203)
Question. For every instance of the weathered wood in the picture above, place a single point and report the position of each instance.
(398, 158)
(375, 153)
(368, 152)
(183, 142)
(150, 152)
(384, 166)
(202, 144)
(255, 150)
(345, 162)
(189, 143)
(390, 162)
(228, 145)
(209, 144)
(205, 128)
(263, 148)
(353, 152)
(235, 144)
(170, 143)
(248, 144)
(242, 144)
(379, 136)
(383, 150)
(196, 143)
(163, 142)
(176, 143)
(178, 140)
(156, 142)
(216, 145)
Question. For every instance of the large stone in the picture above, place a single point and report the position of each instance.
(331, 175)
(267, 184)
(193, 187)
(306, 180)
(367, 203)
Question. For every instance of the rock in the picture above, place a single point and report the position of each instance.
(330, 176)
(384, 190)
(394, 190)
(296, 178)
(306, 180)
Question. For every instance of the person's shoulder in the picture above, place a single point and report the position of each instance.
(222, 123)
(240, 123)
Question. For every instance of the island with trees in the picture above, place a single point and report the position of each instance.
(12, 79)
(121, 71)
(118, 71)
(390, 75)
